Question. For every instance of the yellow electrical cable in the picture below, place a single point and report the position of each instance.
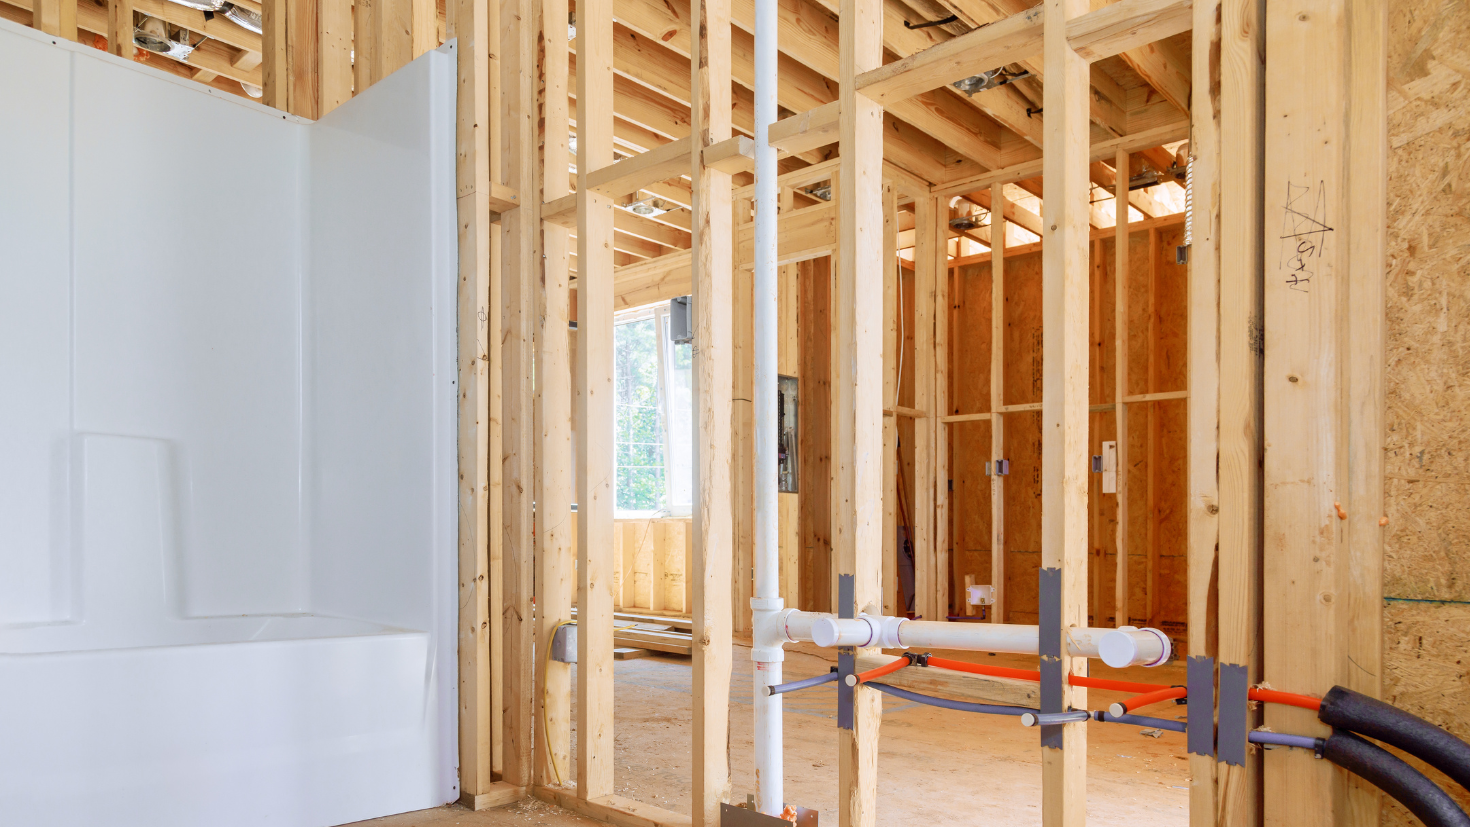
(546, 667)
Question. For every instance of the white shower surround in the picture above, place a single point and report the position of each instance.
(228, 492)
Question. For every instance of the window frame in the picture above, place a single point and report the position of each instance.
(658, 314)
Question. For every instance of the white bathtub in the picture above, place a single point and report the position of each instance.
(228, 477)
(215, 721)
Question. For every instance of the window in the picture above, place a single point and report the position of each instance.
(653, 428)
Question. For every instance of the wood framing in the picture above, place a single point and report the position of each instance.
(1065, 278)
(857, 384)
(788, 357)
(925, 480)
(1325, 214)
(594, 403)
(1204, 459)
(937, 259)
(56, 17)
(1121, 243)
(555, 556)
(480, 505)
(997, 402)
(520, 276)
(893, 346)
(713, 271)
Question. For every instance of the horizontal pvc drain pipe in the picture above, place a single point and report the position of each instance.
(1124, 646)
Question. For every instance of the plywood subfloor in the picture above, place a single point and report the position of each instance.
(935, 767)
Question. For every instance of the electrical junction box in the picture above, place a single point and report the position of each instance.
(1110, 467)
(980, 595)
(681, 323)
(786, 434)
(564, 644)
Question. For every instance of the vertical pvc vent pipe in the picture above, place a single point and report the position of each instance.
(766, 603)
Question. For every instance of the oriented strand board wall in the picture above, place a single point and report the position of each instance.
(1427, 492)
(969, 441)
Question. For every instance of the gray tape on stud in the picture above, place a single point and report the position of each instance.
(1200, 681)
(1049, 622)
(1235, 684)
(846, 662)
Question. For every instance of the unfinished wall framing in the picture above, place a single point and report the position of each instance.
(1024, 303)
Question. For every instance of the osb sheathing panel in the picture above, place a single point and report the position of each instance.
(970, 442)
(1425, 663)
(1427, 435)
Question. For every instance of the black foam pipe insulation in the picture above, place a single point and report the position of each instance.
(1391, 774)
(1345, 709)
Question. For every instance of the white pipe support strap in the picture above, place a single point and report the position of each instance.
(768, 629)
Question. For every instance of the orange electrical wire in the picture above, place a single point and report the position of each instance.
(873, 674)
(1272, 696)
(1148, 698)
(1116, 686)
(992, 671)
(1151, 693)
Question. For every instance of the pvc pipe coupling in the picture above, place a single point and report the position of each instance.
(863, 630)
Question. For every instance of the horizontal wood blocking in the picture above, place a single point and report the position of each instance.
(1107, 31)
(806, 130)
(499, 794)
(646, 169)
(635, 172)
(800, 235)
(732, 155)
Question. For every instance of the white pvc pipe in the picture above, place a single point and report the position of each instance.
(769, 781)
(1126, 646)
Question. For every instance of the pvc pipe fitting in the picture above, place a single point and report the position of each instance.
(768, 629)
(838, 631)
(1130, 646)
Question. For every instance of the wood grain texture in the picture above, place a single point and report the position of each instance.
(997, 400)
(521, 273)
(476, 252)
(594, 403)
(555, 555)
(857, 382)
(714, 526)
(1064, 482)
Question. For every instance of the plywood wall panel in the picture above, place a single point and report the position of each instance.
(969, 441)
(1427, 446)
